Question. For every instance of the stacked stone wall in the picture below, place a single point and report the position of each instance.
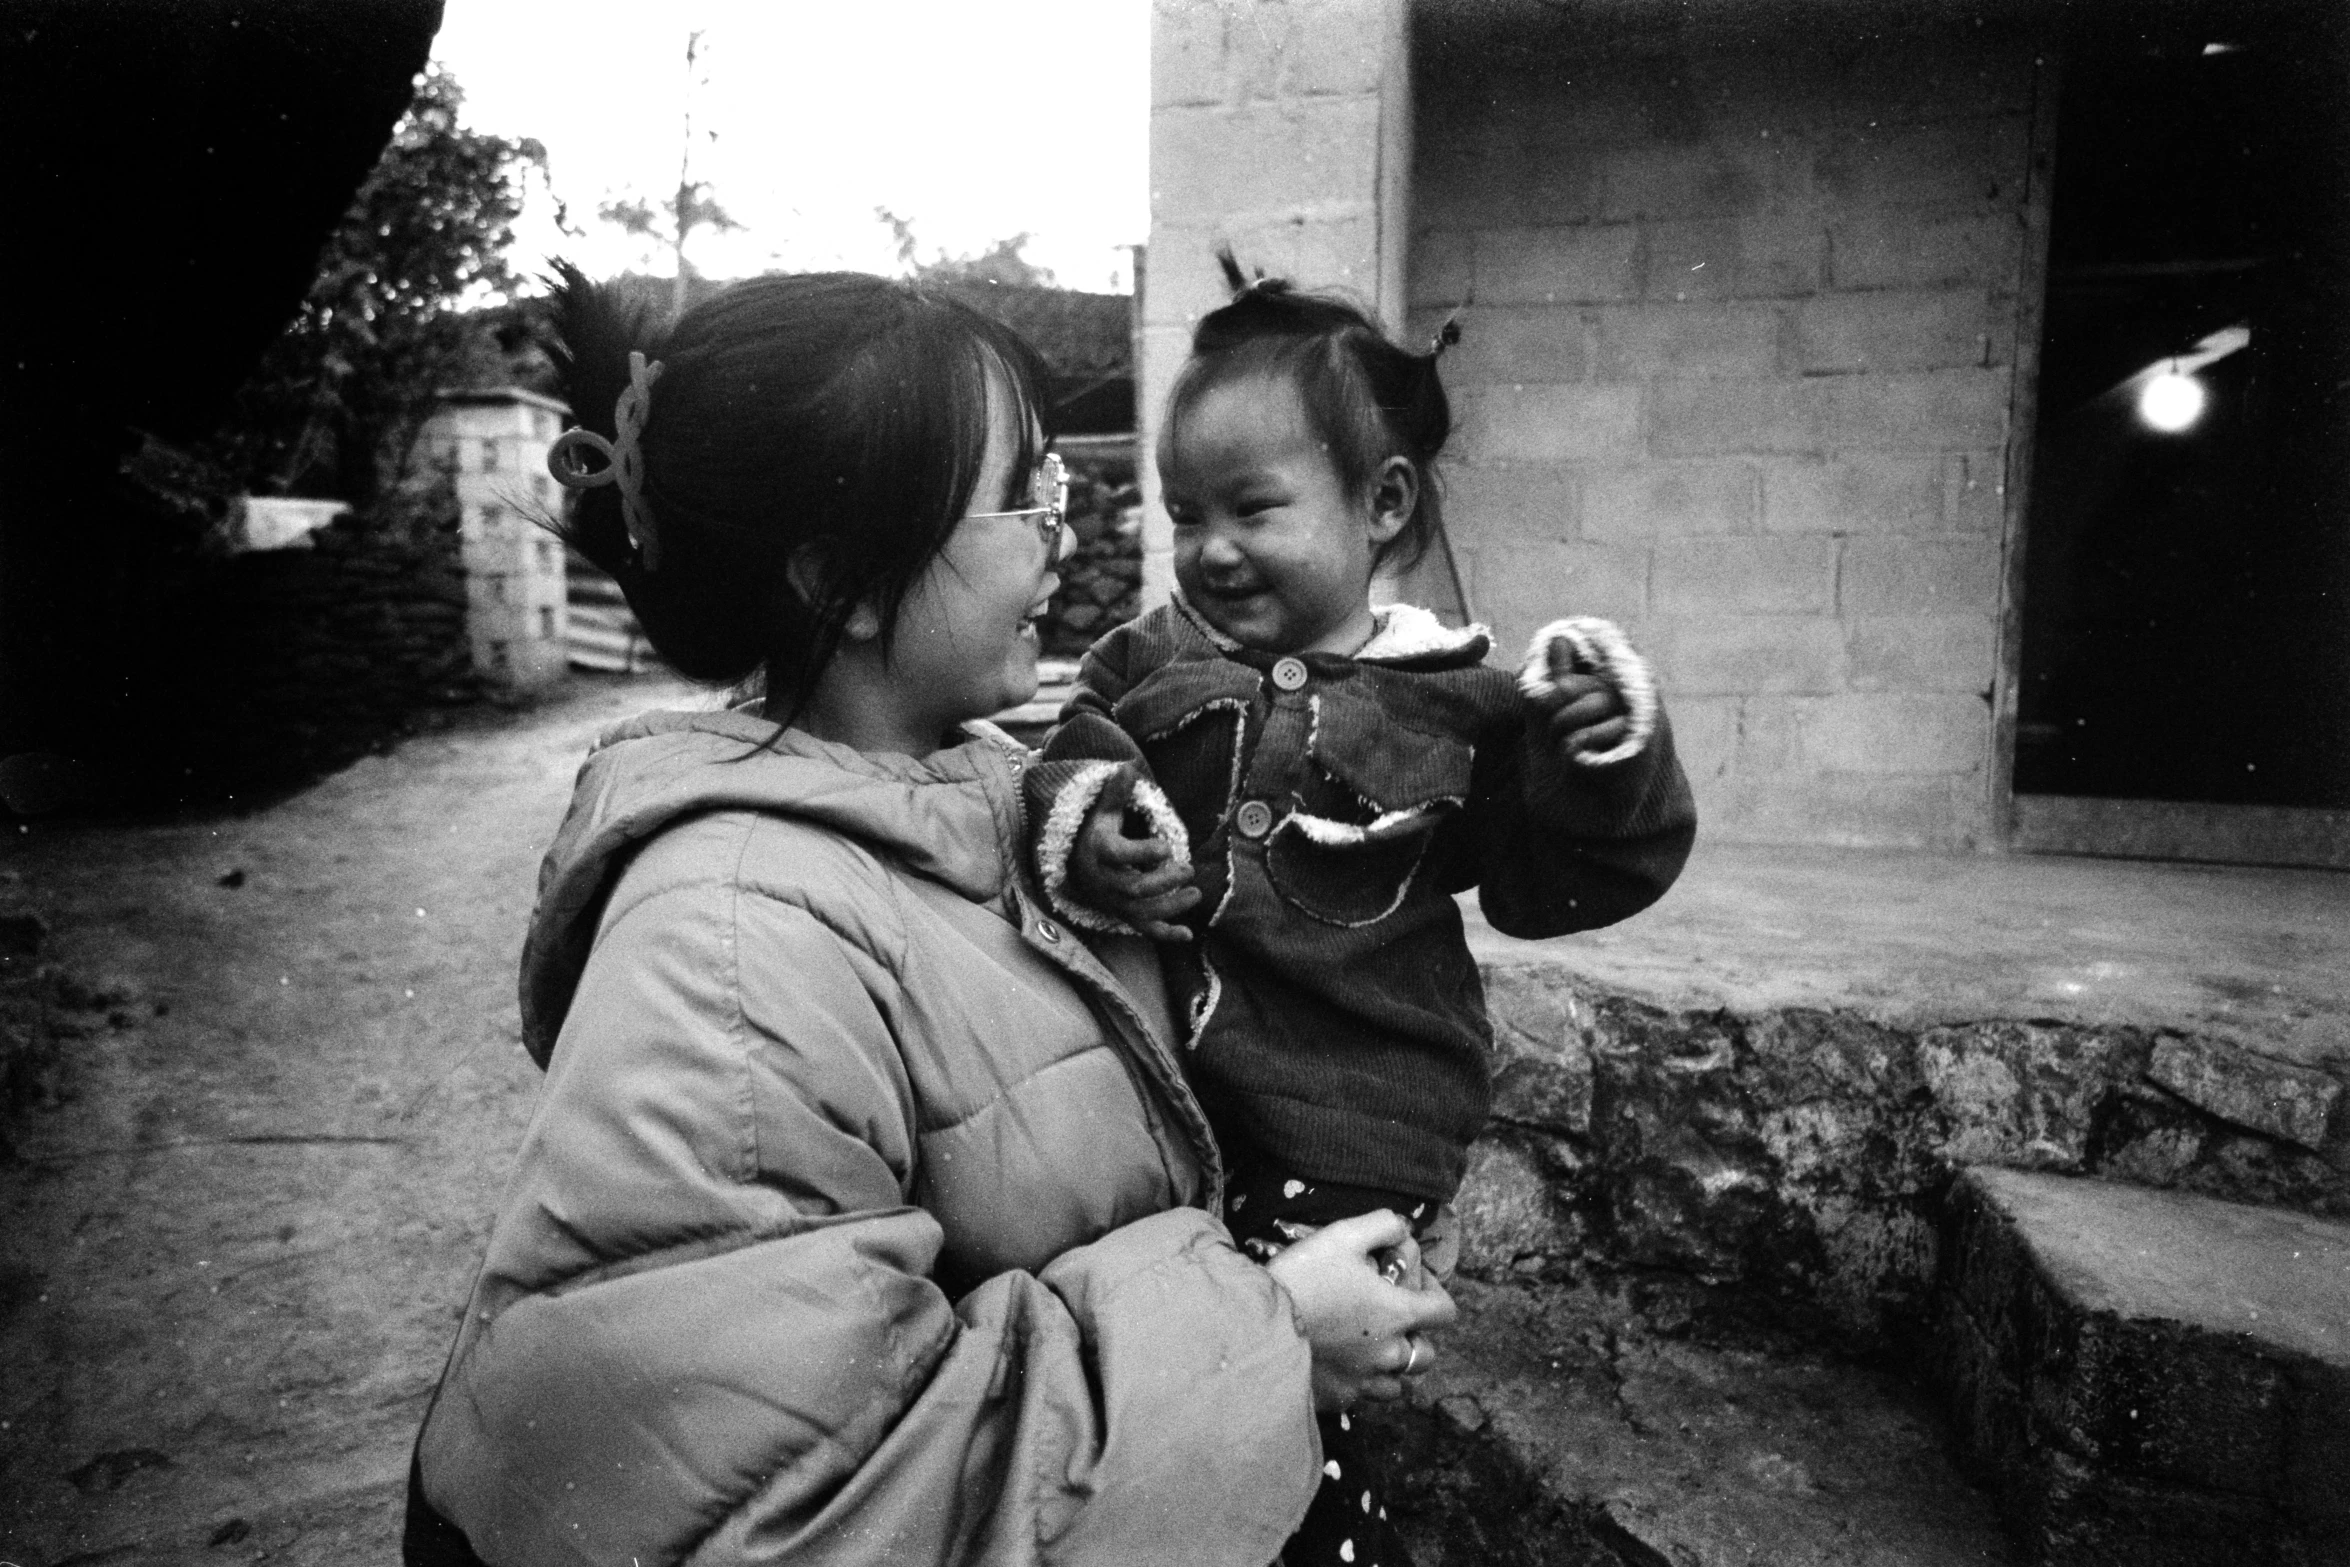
(1808, 1153)
(1740, 335)
(1101, 579)
(300, 660)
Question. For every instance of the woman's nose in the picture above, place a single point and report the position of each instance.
(1064, 544)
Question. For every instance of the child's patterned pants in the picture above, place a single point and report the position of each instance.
(1347, 1524)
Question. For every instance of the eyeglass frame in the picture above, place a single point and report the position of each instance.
(1052, 476)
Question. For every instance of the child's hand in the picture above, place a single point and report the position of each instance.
(1584, 713)
(1131, 876)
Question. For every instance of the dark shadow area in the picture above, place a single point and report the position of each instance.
(172, 171)
(2187, 596)
(1597, 1416)
(1462, 1498)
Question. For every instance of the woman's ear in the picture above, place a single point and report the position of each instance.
(810, 580)
(1395, 495)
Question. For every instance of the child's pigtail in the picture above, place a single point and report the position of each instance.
(1261, 307)
(1234, 279)
(1417, 409)
(1421, 418)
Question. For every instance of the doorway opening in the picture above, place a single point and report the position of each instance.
(2184, 683)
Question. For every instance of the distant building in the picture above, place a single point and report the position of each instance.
(1086, 342)
(493, 444)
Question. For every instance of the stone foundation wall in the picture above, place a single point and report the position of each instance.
(1807, 1153)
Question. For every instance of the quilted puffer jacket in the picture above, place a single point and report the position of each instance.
(859, 1221)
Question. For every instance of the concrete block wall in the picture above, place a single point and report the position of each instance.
(1282, 128)
(1740, 329)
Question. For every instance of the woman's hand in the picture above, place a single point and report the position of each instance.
(1367, 1334)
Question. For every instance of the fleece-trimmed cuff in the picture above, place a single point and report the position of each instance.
(1600, 648)
(1066, 818)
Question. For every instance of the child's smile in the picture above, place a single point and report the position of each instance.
(1269, 546)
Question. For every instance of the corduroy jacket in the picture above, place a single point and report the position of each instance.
(1331, 807)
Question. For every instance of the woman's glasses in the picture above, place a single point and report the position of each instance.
(1050, 487)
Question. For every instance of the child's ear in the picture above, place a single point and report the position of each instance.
(1395, 494)
(807, 573)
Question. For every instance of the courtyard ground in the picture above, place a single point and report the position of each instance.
(236, 1244)
(233, 1256)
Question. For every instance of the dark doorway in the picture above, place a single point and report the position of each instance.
(2186, 605)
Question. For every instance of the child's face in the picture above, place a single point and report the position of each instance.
(1269, 546)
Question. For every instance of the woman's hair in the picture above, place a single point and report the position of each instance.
(833, 413)
(1365, 398)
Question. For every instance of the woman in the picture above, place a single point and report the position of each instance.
(865, 1216)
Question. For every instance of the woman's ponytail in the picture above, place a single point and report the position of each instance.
(822, 415)
(595, 330)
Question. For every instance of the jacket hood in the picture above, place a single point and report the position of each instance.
(951, 817)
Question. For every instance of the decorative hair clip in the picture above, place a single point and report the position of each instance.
(624, 457)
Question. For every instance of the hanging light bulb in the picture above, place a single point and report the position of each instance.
(2171, 401)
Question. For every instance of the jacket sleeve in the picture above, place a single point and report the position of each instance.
(707, 1329)
(1558, 846)
(1085, 750)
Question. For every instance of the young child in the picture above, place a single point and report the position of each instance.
(1290, 786)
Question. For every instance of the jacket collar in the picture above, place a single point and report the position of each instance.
(1410, 634)
(1405, 634)
(952, 817)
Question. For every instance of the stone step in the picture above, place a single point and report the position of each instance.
(1571, 1425)
(1774, 1075)
(1807, 1152)
(2151, 1377)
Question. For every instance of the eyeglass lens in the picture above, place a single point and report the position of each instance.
(1052, 495)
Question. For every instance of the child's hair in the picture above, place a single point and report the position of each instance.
(1365, 398)
(831, 412)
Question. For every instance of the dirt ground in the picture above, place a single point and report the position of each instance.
(232, 1257)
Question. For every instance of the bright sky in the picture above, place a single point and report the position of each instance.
(972, 119)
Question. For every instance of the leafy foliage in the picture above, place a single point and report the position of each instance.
(1001, 263)
(673, 220)
(336, 403)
